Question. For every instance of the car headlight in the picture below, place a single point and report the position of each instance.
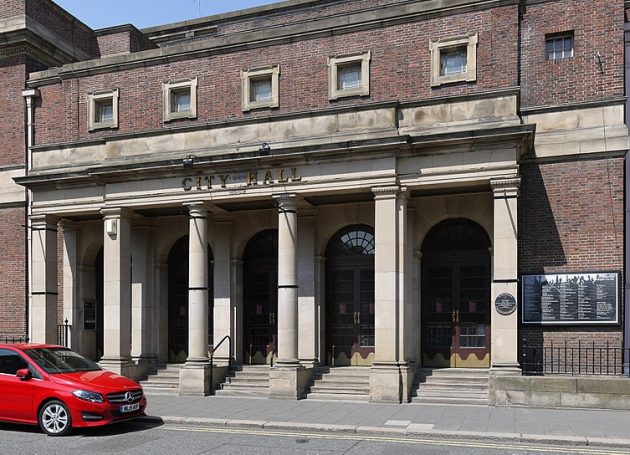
(88, 396)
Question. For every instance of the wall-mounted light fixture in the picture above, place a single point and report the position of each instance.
(188, 161)
(264, 149)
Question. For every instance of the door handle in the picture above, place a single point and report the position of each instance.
(358, 317)
(453, 316)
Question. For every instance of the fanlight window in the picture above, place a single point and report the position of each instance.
(352, 241)
(454, 235)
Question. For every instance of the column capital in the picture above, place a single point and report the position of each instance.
(197, 209)
(505, 187)
(287, 202)
(44, 221)
(116, 212)
(389, 191)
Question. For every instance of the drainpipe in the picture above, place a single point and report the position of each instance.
(29, 95)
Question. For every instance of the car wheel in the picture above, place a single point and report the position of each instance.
(55, 419)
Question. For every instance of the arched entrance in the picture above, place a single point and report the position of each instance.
(456, 296)
(178, 300)
(350, 297)
(260, 297)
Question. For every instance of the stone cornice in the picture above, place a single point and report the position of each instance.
(505, 187)
(347, 23)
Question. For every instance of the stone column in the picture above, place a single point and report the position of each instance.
(308, 323)
(194, 377)
(117, 291)
(390, 377)
(72, 301)
(142, 307)
(44, 279)
(504, 330)
(287, 378)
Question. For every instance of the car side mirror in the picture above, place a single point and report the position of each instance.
(24, 374)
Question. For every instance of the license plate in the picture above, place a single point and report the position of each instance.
(130, 407)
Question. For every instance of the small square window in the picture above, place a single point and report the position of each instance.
(559, 46)
(261, 88)
(180, 99)
(102, 110)
(453, 60)
(349, 76)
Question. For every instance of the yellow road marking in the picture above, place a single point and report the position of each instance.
(402, 440)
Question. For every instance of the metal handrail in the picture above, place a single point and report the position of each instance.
(228, 337)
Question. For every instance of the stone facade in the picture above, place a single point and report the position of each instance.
(367, 190)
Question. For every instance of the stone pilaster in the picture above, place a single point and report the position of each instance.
(390, 377)
(72, 302)
(44, 279)
(194, 377)
(308, 323)
(504, 330)
(224, 314)
(142, 304)
(117, 290)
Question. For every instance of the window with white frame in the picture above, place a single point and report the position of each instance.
(559, 46)
(260, 87)
(453, 59)
(349, 76)
(180, 99)
(102, 110)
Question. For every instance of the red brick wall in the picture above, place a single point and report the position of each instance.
(400, 70)
(598, 26)
(12, 278)
(12, 75)
(571, 219)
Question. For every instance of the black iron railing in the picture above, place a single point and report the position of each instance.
(214, 349)
(13, 339)
(583, 358)
(63, 331)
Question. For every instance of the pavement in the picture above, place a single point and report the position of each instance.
(579, 427)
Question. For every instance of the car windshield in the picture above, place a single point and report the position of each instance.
(60, 360)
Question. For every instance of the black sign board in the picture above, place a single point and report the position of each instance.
(576, 298)
(89, 315)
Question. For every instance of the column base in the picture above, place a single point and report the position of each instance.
(289, 381)
(194, 379)
(121, 366)
(309, 363)
(143, 364)
(391, 383)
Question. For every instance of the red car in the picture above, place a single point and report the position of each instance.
(59, 389)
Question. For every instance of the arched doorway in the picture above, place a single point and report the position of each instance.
(350, 297)
(456, 296)
(178, 300)
(260, 297)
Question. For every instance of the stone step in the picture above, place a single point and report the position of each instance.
(343, 371)
(165, 374)
(245, 385)
(155, 382)
(454, 385)
(161, 391)
(342, 389)
(248, 375)
(452, 393)
(249, 380)
(339, 397)
(479, 372)
(452, 380)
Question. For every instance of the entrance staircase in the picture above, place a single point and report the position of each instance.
(451, 386)
(163, 379)
(246, 381)
(341, 384)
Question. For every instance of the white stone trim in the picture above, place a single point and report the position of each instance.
(92, 100)
(438, 45)
(167, 90)
(333, 64)
(248, 76)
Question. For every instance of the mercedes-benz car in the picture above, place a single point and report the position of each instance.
(58, 389)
